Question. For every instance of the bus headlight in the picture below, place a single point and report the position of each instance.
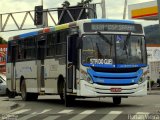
(86, 76)
(142, 79)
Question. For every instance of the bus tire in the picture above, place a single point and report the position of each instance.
(24, 94)
(67, 99)
(61, 88)
(116, 100)
(10, 94)
(62, 91)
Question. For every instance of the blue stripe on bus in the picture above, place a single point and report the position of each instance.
(99, 65)
(115, 78)
(130, 65)
(110, 20)
(28, 34)
(115, 66)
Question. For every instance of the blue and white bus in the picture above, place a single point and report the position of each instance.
(85, 58)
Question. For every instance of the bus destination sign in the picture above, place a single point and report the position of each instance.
(113, 27)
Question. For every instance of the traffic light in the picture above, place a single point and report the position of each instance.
(38, 18)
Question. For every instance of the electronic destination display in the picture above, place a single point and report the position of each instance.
(112, 27)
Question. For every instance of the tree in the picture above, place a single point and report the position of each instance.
(2, 41)
(80, 3)
(87, 1)
(84, 3)
(65, 4)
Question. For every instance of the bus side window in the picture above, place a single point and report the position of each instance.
(19, 50)
(61, 42)
(32, 48)
(50, 44)
(25, 48)
(41, 45)
(29, 48)
(9, 52)
(13, 53)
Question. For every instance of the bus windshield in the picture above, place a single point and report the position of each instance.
(113, 49)
(98, 46)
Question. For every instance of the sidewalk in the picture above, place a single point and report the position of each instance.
(6, 105)
(154, 91)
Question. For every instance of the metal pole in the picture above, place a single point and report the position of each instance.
(103, 5)
(149, 85)
(125, 9)
(42, 2)
(158, 3)
(1, 22)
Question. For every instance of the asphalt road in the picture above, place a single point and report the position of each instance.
(51, 108)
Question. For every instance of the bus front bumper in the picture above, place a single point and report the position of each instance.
(95, 90)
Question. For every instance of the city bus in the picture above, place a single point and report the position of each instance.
(82, 59)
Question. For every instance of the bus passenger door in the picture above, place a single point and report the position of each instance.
(71, 63)
(40, 62)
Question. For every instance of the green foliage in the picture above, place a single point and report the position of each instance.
(66, 4)
(84, 2)
(2, 41)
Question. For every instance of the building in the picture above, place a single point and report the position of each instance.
(145, 10)
(149, 11)
(3, 51)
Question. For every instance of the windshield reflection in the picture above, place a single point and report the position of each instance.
(132, 52)
(97, 49)
(100, 49)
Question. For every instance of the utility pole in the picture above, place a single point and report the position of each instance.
(125, 9)
(42, 2)
(158, 3)
(103, 5)
(45, 18)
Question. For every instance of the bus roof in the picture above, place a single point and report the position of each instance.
(67, 25)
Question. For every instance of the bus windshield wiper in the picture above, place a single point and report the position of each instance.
(104, 38)
(126, 41)
(125, 47)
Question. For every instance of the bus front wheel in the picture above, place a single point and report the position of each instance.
(10, 94)
(116, 100)
(67, 99)
(61, 90)
(24, 93)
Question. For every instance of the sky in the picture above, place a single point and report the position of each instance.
(114, 9)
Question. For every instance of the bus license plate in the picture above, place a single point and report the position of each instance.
(116, 89)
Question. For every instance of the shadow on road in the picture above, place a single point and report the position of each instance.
(82, 103)
(79, 103)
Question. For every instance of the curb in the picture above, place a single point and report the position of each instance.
(154, 93)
